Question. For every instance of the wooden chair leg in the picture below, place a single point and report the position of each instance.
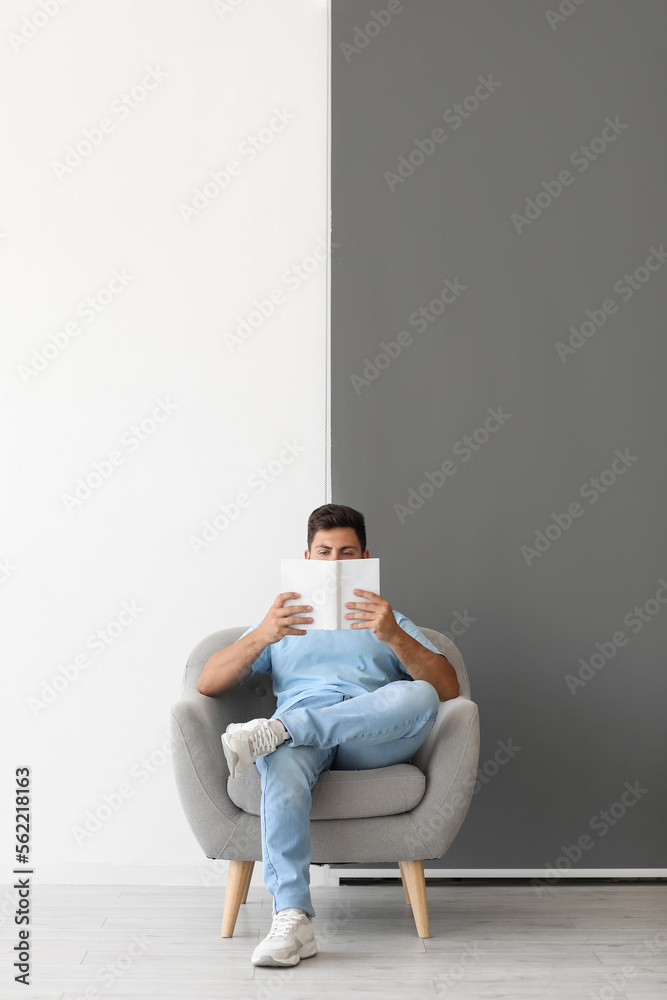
(251, 865)
(413, 874)
(405, 884)
(237, 876)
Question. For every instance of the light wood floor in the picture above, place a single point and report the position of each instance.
(487, 940)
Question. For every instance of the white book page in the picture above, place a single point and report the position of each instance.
(316, 581)
(356, 574)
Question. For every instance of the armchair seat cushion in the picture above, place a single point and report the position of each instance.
(375, 791)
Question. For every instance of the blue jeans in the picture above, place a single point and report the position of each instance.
(333, 731)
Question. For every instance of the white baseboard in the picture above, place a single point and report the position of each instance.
(214, 873)
(483, 873)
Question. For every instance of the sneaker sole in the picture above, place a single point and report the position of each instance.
(308, 950)
(231, 757)
(234, 762)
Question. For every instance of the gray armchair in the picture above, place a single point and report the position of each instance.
(404, 812)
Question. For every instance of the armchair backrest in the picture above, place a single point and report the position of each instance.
(205, 649)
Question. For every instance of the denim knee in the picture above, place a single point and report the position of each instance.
(427, 696)
(291, 767)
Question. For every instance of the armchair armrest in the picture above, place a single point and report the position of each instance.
(448, 758)
(200, 768)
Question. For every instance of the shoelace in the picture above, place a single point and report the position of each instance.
(263, 739)
(283, 922)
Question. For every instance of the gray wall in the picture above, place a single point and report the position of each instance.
(531, 617)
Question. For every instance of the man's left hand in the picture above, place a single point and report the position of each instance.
(376, 615)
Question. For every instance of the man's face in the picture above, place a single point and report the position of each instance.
(337, 543)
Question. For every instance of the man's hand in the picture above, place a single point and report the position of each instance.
(377, 616)
(421, 663)
(233, 664)
(280, 621)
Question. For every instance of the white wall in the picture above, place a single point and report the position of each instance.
(218, 72)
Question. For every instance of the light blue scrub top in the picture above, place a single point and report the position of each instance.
(349, 661)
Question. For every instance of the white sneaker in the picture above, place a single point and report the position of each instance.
(290, 939)
(244, 742)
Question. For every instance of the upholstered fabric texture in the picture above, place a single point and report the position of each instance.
(404, 812)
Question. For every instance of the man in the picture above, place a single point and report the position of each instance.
(346, 700)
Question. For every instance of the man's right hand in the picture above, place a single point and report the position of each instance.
(233, 664)
(280, 621)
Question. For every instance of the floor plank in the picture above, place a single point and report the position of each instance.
(491, 941)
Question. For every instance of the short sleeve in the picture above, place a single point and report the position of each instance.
(262, 664)
(410, 627)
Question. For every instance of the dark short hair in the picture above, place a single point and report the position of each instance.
(334, 515)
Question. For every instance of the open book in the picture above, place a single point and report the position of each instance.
(328, 584)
